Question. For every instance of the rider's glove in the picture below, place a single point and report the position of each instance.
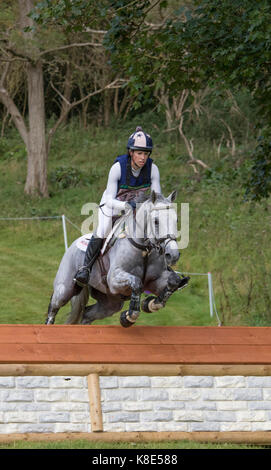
(132, 204)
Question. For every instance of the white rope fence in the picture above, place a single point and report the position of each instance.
(212, 304)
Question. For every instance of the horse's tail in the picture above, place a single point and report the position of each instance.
(78, 303)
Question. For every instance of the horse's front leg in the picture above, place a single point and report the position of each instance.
(163, 287)
(129, 317)
(128, 285)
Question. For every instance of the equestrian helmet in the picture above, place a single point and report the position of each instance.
(139, 140)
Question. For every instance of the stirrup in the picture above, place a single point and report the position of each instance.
(82, 268)
(81, 284)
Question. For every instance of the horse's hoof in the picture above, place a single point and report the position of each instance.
(124, 320)
(184, 282)
(145, 304)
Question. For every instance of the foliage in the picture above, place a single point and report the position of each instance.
(219, 42)
(258, 184)
(65, 177)
(78, 15)
(226, 44)
(232, 41)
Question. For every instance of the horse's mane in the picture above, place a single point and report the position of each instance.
(144, 196)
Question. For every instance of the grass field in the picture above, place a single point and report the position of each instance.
(85, 444)
(228, 237)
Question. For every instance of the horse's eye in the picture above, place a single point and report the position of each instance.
(156, 222)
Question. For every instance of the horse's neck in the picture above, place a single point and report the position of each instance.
(139, 227)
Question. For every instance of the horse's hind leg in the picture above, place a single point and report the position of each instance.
(52, 311)
(59, 298)
(105, 307)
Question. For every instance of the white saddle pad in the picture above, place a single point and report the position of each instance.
(117, 231)
(82, 242)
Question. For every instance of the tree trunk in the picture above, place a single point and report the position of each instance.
(36, 181)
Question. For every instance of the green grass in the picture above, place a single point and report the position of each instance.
(31, 251)
(85, 444)
(228, 237)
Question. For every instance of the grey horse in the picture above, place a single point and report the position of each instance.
(139, 259)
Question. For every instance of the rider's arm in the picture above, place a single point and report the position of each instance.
(112, 188)
(155, 179)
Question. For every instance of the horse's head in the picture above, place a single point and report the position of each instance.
(157, 222)
(164, 221)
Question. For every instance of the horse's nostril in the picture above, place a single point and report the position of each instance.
(169, 259)
(172, 258)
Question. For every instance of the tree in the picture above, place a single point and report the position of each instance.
(231, 43)
(226, 44)
(199, 44)
(22, 40)
(34, 136)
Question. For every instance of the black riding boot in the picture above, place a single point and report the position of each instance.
(92, 253)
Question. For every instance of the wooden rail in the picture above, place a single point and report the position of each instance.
(105, 348)
(141, 350)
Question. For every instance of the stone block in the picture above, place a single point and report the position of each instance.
(167, 382)
(54, 417)
(152, 416)
(67, 382)
(152, 394)
(120, 395)
(51, 395)
(18, 395)
(230, 381)
(123, 416)
(131, 382)
(198, 381)
(7, 382)
(108, 382)
(188, 415)
(219, 416)
(250, 415)
(32, 382)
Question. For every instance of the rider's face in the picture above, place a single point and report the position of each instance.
(138, 158)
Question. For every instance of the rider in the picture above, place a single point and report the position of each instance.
(130, 174)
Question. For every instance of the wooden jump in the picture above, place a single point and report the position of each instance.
(140, 350)
(152, 350)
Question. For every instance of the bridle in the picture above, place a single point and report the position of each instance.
(159, 244)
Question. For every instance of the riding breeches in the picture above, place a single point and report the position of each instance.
(105, 216)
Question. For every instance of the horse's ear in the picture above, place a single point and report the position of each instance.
(172, 196)
(153, 196)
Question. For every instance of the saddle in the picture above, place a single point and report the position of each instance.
(102, 259)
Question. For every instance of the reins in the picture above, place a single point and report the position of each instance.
(148, 246)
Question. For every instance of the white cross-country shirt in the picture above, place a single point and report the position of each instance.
(112, 206)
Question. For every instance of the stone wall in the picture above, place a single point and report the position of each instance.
(191, 403)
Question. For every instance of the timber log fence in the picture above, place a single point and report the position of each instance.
(143, 351)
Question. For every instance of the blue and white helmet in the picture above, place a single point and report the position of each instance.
(139, 140)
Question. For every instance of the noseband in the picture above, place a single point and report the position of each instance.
(159, 244)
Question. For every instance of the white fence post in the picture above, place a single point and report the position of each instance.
(65, 232)
(210, 286)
